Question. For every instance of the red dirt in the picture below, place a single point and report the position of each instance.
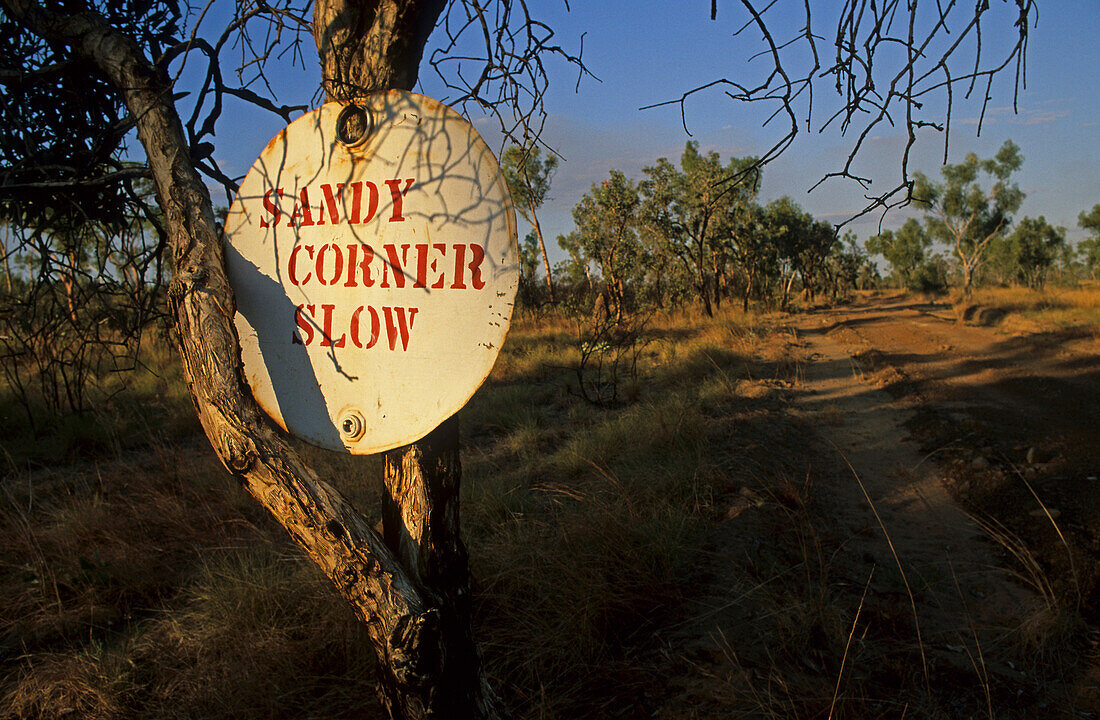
(944, 421)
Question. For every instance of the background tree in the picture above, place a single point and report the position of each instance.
(966, 216)
(606, 220)
(1090, 246)
(575, 268)
(847, 267)
(755, 257)
(906, 250)
(528, 268)
(800, 244)
(689, 208)
(528, 179)
(1033, 247)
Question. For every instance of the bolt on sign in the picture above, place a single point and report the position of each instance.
(372, 252)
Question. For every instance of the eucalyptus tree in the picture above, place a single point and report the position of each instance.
(1033, 248)
(754, 257)
(690, 209)
(528, 177)
(575, 268)
(800, 244)
(528, 266)
(847, 267)
(967, 215)
(1090, 246)
(606, 220)
(905, 249)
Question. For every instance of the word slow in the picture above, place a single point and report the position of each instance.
(363, 328)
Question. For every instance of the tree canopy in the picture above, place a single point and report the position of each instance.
(966, 215)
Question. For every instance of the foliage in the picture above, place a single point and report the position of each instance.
(800, 243)
(1090, 246)
(528, 178)
(1033, 247)
(84, 237)
(74, 305)
(67, 167)
(690, 215)
(606, 235)
(906, 250)
(848, 267)
(528, 269)
(967, 216)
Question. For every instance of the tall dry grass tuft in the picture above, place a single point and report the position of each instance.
(149, 585)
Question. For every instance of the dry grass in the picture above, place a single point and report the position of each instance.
(1051, 308)
(666, 558)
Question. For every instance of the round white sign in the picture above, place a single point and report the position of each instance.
(372, 252)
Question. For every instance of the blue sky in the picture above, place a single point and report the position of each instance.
(645, 52)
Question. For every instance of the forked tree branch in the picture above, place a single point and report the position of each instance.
(402, 625)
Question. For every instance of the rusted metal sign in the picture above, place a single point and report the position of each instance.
(372, 251)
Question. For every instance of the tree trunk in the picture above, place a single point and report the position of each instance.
(414, 626)
(787, 291)
(7, 262)
(748, 291)
(715, 279)
(542, 247)
(421, 525)
(365, 49)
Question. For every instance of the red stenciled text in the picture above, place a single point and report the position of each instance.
(322, 204)
(455, 266)
(363, 329)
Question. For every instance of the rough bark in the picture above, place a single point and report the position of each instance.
(367, 46)
(403, 617)
(421, 524)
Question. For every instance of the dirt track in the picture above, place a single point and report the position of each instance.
(892, 499)
(942, 421)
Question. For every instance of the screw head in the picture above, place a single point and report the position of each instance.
(352, 425)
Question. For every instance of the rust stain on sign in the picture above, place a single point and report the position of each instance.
(369, 278)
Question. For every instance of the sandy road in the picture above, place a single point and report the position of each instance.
(1027, 401)
(933, 414)
(903, 520)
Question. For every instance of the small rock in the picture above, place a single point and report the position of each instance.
(979, 463)
(738, 506)
(752, 496)
(1031, 455)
